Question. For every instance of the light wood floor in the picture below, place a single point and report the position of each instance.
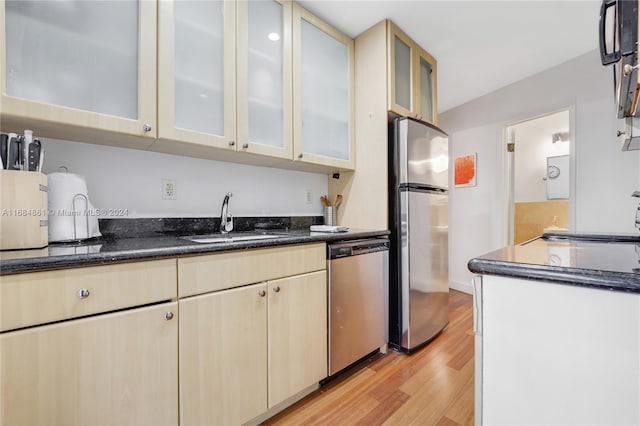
(432, 386)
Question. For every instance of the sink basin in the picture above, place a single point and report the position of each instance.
(208, 239)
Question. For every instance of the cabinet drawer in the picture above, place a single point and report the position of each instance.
(202, 274)
(41, 297)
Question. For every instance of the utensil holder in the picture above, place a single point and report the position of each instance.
(330, 217)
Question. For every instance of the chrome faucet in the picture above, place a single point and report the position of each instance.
(226, 219)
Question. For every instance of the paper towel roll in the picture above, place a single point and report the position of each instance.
(70, 221)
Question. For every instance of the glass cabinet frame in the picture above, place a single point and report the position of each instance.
(243, 83)
(167, 128)
(417, 90)
(60, 121)
(300, 154)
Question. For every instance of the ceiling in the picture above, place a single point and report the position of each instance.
(480, 45)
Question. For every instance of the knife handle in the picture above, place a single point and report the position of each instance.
(4, 142)
(21, 160)
(34, 155)
(13, 153)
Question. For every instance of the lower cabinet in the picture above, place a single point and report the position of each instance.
(297, 324)
(118, 368)
(549, 353)
(223, 356)
(244, 350)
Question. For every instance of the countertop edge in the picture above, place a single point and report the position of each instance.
(602, 280)
(48, 263)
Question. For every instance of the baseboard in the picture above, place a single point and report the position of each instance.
(282, 406)
(460, 286)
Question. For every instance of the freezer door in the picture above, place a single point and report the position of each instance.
(423, 153)
(424, 266)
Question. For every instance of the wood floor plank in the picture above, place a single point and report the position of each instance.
(323, 400)
(464, 355)
(461, 408)
(433, 385)
(439, 387)
(446, 421)
(385, 409)
(348, 412)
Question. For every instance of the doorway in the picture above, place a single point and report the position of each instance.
(539, 173)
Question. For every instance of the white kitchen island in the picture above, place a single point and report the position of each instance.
(558, 333)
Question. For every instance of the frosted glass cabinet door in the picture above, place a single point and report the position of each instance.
(427, 93)
(402, 81)
(264, 77)
(402, 68)
(196, 84)
(323, 82)
(84, 63)
(412, 77)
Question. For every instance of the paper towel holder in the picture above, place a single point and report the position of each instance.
(84, 198)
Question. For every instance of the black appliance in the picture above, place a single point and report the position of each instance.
(618, 34)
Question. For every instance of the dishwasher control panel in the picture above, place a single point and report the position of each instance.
(354, 248)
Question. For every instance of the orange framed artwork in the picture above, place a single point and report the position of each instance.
(465, 170)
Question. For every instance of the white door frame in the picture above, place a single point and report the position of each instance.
(507, 189)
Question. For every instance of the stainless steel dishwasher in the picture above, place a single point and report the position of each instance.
(358, 300)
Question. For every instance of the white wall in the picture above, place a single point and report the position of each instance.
(131, 179)
(605, 176)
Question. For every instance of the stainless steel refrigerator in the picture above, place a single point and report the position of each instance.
(418, 220)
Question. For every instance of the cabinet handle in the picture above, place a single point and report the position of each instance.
(168, 316)
(276, 289)
(146, 128)
(245, 145)
(232, 143)
(262, 293)
(300, 155)
(83, 293)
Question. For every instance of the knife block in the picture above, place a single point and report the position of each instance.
(23, 210)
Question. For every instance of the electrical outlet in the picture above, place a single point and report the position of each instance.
(308, 197)
(168, 189)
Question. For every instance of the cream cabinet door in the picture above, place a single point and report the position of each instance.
(264, 78)
(223, 356)
(196, 74)
(426, 88)
(412, 73)
(79, 68)
(401, 72)
(297, 334)
(323, 99)
(119, 368)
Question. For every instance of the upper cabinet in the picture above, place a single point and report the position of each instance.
(80, 68)
(412, 73)
(323, 72)
(232, 78)
(264, 86)
(196, 72)
(259, 77)
(225, 77)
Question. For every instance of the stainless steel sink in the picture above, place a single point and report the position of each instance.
(209, 239)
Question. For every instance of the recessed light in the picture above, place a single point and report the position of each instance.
(273, 36)
(203, 96)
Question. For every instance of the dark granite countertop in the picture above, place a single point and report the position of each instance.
(100, 251)
(610, 262)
